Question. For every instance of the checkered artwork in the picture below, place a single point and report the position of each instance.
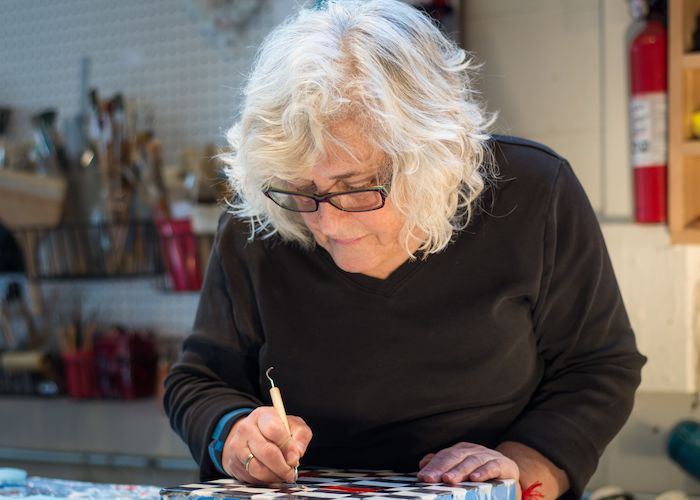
(332, 484)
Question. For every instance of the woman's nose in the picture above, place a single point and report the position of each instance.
(330, 218)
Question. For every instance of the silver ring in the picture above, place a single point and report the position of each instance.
(246, 462)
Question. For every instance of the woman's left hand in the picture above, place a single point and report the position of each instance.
(466, 462)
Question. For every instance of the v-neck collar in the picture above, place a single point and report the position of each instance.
(371, 284)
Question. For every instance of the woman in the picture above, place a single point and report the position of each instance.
(432, 298)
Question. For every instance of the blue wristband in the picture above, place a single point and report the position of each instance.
(220, 434)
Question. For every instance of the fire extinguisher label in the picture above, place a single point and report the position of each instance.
(648, 117)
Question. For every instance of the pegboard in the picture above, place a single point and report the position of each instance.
(160, 52)
(132, 303)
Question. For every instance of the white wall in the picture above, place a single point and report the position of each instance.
(659, 283)
(555, 70)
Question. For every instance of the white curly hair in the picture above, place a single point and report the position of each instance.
(386, 66)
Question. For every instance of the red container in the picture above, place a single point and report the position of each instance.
(81, 374)
(179, 248)
(127, 365)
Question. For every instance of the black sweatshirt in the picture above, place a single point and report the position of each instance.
(516, 331)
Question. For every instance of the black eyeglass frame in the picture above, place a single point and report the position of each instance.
(328, 198)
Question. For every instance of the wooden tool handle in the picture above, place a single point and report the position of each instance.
(279, 406)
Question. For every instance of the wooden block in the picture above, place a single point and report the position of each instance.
(30, 200)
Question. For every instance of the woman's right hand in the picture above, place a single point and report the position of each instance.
(275, 453)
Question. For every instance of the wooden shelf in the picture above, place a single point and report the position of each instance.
(691, 148)
(135, 427)
(683, 101)
(98, 440)
(689, 234)
(691, 60)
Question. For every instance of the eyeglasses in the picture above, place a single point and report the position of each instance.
(355, 200)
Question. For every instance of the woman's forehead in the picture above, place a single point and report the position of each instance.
(348, 154)
(348, 142)
(346, 165)
(331, 171)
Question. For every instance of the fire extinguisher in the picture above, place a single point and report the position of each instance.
(648, 115)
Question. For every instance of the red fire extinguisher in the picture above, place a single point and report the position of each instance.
(648, 116)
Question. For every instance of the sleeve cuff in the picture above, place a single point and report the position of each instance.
(220, 434)
(563, 444)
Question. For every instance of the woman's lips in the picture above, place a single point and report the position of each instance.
(347, 241)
